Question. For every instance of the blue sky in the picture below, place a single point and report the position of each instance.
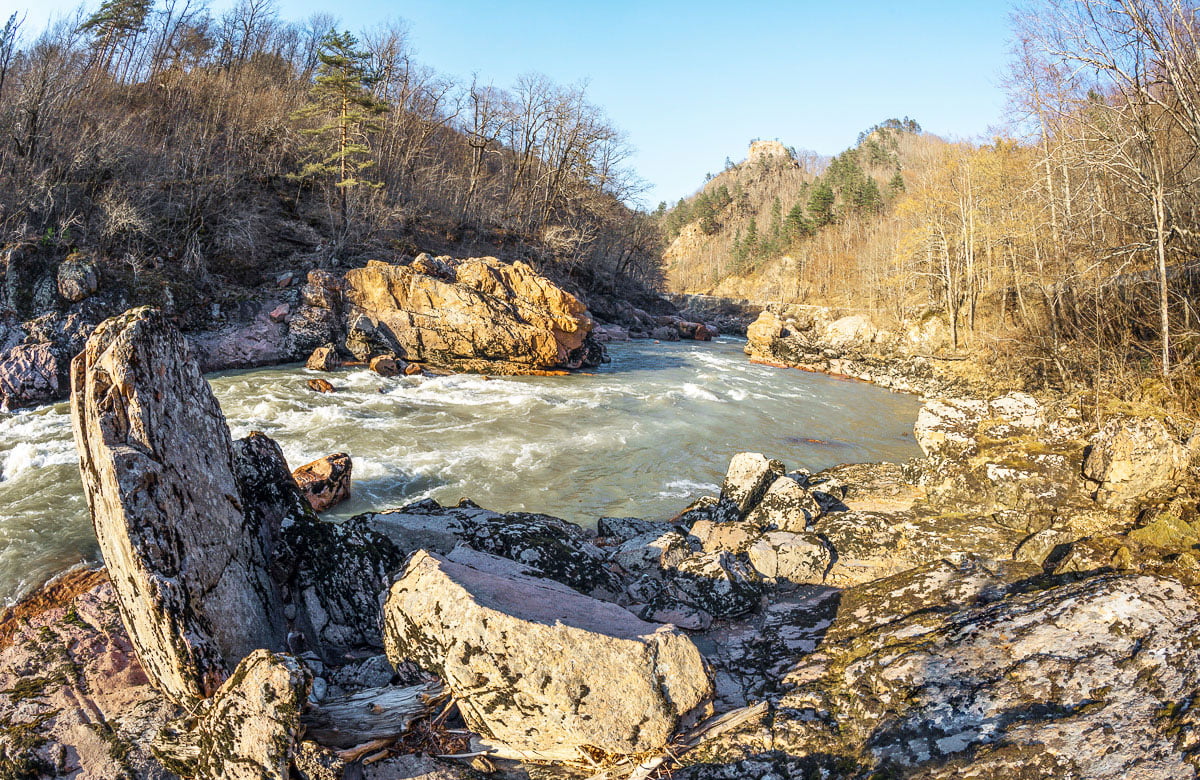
(692, 82)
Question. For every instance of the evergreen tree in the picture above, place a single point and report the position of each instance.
(750, 244)
(113, 23)
(796, 225)
(820, 203)
(896, 185)
(341, 98)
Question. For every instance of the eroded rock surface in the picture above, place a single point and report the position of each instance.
(326, 481)
(157, 466)
(539, 669)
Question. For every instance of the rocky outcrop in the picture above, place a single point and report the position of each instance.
(491, 317)
(910, 357)
(28, 376)
(326, 481)
(539, 670)
(157, 465)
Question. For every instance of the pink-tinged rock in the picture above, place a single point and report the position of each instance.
(280, 312)
(326, 481)
(28, 376)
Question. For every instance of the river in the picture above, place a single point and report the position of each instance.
(641, 436)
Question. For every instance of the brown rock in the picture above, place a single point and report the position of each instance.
(326, 481)
(323, 359)
(386, 365)
(496, 317)
(320, 385)
(411, 368)
(157, 465)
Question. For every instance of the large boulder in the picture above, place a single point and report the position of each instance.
(539, 670)
(749, 477)
(1130, 457)
(158, 473)
(494, 317)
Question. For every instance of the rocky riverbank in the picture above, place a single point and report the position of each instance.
(442, 313)
(1018, 602)
(914, 357)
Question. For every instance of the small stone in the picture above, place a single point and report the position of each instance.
(320, 385)
(280, 312)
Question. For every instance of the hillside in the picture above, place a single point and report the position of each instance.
(783, 225)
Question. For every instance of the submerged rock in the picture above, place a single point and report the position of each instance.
(326, 481)
(157, 466)
(539, 670)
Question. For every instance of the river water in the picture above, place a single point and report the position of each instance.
(641, 437)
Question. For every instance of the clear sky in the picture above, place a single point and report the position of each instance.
(693, 82)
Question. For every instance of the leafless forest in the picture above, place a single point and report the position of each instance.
(186, 146)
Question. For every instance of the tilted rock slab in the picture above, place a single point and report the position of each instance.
(538, 669)
(499, 317)
(157, 466)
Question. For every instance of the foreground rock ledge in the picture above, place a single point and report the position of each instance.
(540, 670)
(158, 473)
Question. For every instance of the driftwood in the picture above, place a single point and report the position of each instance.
(369, 715)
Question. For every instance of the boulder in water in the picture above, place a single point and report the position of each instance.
(326, 481)
(323, 358)
(320, 386)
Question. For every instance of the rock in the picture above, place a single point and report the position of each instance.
(433, 266)
(653, 551)
(560, 550)
(949, 426)
(852, 330)
(665, 333)
(539, 670)
(78, 278)
(730, 536)
(74, 701)
(790, 558)
(314, 762)
(786, 506)
(366, 338)
(323, 358)
(285, 279)
(718, 583)
(1018, 684)
(412, 368)
(762, 333)
(248, 729)
(1044, 546)
(625, 528)
(326, 481)
(319, 318)
(28, 376)
(320, 386)
(157, 465)
(1131, 457)
(252, 337)
(749, 476)
(280, 313)
(388, 366)
(494, 318)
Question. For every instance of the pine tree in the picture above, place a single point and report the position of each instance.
(750, 246)
(896, 185)
(796, 225)
(113, 23)
(820, 203)
(342, 99)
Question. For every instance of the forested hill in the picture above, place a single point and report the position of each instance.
(760, 227)
(185, 148)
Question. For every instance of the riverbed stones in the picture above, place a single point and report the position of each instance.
(326, 481)
(539, 670)
(1130, 457)
(157, 467)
